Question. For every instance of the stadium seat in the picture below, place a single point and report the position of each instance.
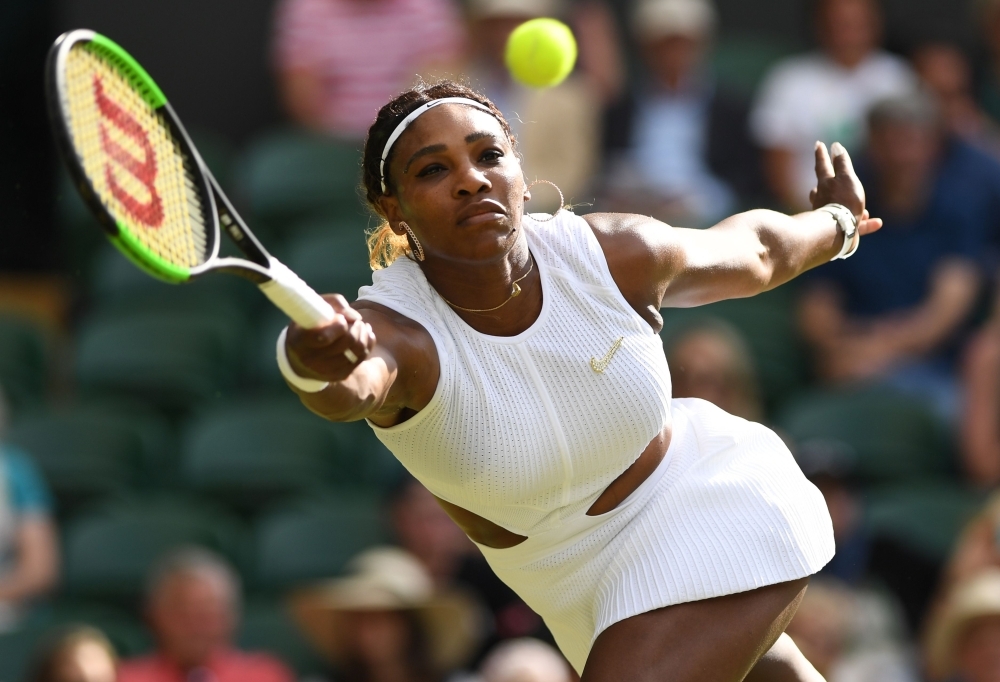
(23, 362)
(767, 323)
(250, 454)
(887, 435)
(927, 516)
(120, 288)
(175, 361)
(290, 174)
(261, 368)
(332, 257)
(266, 626)
(742, 62)
(313, 538)
(16, 651)
(109, 549)
(93, 450)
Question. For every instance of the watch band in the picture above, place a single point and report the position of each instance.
(848, 225)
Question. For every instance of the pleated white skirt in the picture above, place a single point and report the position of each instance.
(727, 511)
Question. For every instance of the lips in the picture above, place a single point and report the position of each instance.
(486, 207)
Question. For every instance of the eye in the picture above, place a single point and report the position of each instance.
(430, 170)
(491, 155)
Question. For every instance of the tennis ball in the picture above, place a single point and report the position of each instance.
(541, 53)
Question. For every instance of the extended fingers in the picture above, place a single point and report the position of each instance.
(824, 167)
(842, 164)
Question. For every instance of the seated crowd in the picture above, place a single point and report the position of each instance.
(645, 124)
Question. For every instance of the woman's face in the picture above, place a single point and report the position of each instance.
(458, 184)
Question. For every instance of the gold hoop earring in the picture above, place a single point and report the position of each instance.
(562, 200)
(417, 249)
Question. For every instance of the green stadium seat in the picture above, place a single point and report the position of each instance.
(742, 62)
(173, 360)
(109, 549)
(120, 288)
(928, 516)
(93, 450)
(290, 174)
(24, 362)
(768, 325)
(16, 651)
(266, 626)
(889, 436)
(331, 257)
(313, 538)
(261, 368)
(250, 454)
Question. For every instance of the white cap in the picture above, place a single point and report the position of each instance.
(531, 9)
(661, 18)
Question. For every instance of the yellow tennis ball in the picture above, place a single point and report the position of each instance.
(541, 53)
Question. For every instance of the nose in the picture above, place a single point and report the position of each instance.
(471, 180)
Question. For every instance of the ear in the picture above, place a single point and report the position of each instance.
(390, 209)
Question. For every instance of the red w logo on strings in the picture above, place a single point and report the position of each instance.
(149, 213)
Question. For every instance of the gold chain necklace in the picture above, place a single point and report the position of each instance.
(514, 292)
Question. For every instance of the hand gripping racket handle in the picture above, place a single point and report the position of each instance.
(296, 298)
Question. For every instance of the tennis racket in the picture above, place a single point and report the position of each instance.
(139, 173)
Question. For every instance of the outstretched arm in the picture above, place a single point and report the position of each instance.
(657, 265)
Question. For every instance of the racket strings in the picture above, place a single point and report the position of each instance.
(133, 161)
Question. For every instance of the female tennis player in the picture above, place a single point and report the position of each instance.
(512, 363)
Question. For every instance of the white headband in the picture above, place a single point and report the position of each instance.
(417, 113)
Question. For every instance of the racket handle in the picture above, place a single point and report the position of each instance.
(296, 298)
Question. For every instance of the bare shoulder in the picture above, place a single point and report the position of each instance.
(638, 252)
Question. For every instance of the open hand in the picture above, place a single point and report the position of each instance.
(319, 353)
(837, 183)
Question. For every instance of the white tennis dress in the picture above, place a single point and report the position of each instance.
(526, 433)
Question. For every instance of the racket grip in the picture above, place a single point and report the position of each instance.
(296, 298)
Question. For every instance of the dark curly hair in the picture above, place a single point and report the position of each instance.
(384, 245)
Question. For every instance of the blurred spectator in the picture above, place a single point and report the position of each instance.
(76, 654)
(946, 73)
(909, 575)
(963, 639)
(977, 548)
(423, 529)
(684, 153)
(556, 128)
(980, 427)
(193, 602)
(385, 622)
(525, 660)
(824, 96)
(29, 548)
(339, 61)
(711, 361)
(895, 310)
(848, 636)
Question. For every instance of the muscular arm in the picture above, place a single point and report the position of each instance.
(395, 377)
(656, 265)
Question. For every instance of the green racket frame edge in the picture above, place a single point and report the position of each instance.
(119, 234)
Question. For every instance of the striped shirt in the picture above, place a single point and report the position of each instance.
(364, 52)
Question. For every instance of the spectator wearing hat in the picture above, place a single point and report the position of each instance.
(824, 96)
(557, 129)
(525, 660)
(192, 606)
(339, 61)
(898, 313)
(29, 547)
(679, 145)
(963, 639)
(385, 622)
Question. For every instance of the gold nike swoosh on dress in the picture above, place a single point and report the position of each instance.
(600, 365)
